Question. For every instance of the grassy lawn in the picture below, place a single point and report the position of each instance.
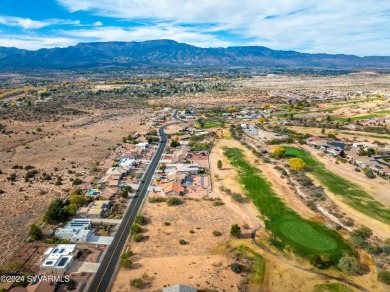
(305, 238)
(377, 114)
(352, 194)
(258, 268)
(365, 135)
(331, 287)
(211, 125)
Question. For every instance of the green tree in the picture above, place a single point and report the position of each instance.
(235, 231)
(56, 212)
(124, 193)
(323, 131)
(349, 265)
(219, 164)
(78, 200)
(35, 232)
(72, 209)
(384, 277)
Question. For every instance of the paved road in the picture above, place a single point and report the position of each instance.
(103, 276)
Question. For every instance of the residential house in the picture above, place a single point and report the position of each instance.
(95, 209)
(173, 189)
(108, 192)
(183, 168)
(77, 230)
(58, 260)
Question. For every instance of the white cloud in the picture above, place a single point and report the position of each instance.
(27, 23)
(35, 42)
(333, 26)
(161, 31)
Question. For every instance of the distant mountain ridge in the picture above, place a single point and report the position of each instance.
(172, 53)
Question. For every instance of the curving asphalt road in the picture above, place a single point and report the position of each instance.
(103, 276)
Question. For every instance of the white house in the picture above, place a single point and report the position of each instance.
(183, 168)
(77, 230)
(58, 260)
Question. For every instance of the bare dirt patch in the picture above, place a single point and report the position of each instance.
(203, 262)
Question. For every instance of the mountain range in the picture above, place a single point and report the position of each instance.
(171, 53)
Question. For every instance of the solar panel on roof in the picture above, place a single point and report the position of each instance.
(62, 262)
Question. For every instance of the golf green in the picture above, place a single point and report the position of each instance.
(302, 233)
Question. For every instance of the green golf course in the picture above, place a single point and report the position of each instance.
(304, 237)
(351, 193)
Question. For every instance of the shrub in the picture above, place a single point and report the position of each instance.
(219, 164)
(167, 223)
(358, 241)
(138, 283)
(373, 249)
(156, 199)
(35, 232)
(218, 203)
(140, 219)
(235, 231)
(173, 201)
(297, 164)
(349, 265)
(278, 152)
(238, 198)
(236, 268)
(77, 181)
(320, 263)
(266, 160)
(126, 255)
(182, 242)
(135, 229)
(138, 237)
(71, 285)
(384, 277)
(126, 263)
(369, 173)
(362, 232)
(217, 233)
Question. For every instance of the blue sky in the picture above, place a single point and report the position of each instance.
(360, 27)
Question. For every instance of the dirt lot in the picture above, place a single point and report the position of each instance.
(203, 263)
(55, 149)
